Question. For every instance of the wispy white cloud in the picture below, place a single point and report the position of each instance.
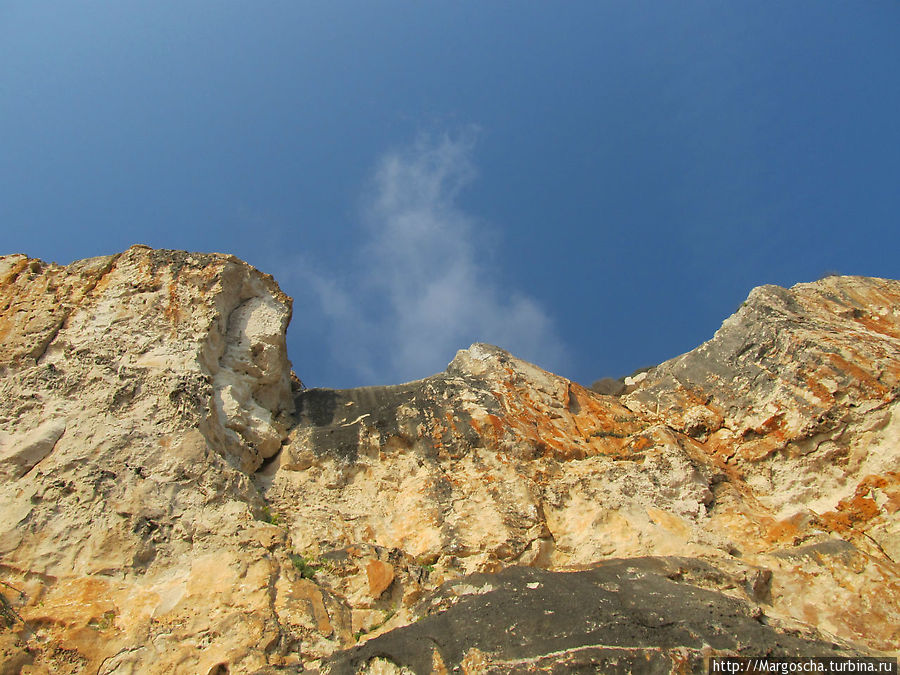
(419, 288)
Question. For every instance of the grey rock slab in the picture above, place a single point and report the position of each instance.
(622, 616)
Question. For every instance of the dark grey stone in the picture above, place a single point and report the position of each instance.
(639, 615)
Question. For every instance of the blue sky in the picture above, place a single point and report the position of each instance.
(592, 185)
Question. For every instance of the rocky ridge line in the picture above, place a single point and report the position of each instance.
(751, 482)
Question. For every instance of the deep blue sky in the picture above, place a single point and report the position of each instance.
(594, 185)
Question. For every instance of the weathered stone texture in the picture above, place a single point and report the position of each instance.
(137, 392)
(741, 498)
(732, 458)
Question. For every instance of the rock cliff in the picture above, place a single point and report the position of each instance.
(174, 501)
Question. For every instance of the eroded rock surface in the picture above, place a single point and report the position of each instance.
(170, 504)
(137, 392)
(732, 459)
(798, 391)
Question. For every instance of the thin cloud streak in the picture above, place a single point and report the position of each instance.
(420, 290)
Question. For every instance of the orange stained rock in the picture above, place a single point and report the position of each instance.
(380, 576)
(785, 532)
(172, 312)
(75, 603)
(584, 425)
(871, 387)
(640, 443)
(819, 390)
(856, 511)
(879, 324)
(306, 590)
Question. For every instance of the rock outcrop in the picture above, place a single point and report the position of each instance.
(521, 620)
(138, 393)
(171, 503)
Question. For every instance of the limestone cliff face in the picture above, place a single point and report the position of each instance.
(740, 499)
(138, 392)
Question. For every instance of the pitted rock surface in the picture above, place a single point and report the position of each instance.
(173, 501)
(137, 392)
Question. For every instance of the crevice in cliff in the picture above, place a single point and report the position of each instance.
(269, 466)
(877, 545)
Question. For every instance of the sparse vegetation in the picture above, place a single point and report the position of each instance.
(105, 622)
(427, 563)
(307, 570)
(606, 433)
(387, 615)
(269, 517)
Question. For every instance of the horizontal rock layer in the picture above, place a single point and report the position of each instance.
(172, 504)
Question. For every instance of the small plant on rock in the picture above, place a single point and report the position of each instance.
(307, 570)
(269, 517)
(104, 622)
